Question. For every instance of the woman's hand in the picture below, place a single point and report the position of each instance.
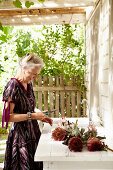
(42, 117)
(38, 115)
(48, 120)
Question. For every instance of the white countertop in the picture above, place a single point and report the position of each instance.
(50, 150)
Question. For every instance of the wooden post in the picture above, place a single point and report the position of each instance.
(40, 93)
(78, 103)
(57, 98)
(73, 96)
(45, 83)
(62, 97)
(51, 97)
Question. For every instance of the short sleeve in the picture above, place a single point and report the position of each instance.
(9, 95)
(10, 91)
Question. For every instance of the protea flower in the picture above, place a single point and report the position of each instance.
(59, 134)
(75, 144)
(94, 144)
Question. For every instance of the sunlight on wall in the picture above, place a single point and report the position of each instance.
(100, 68)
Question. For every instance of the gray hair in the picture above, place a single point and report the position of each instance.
(31, 60)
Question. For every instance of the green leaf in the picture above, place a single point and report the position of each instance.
(41, 1)
(1, 27)
(28, 4)
(17, 4)
(3, 38)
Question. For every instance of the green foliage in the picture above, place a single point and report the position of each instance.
(17, 3)
(1, 27)
(8, 57)
(60, 46)
(23, 43)
(41, 1)
(6, 34)
(3, 131)
(64, 47)
(28, 4)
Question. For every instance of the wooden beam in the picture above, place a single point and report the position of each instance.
(65, 88)
(41, 11)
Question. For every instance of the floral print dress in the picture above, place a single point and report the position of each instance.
(24, 136)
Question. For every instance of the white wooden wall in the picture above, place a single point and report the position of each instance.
(99, 50)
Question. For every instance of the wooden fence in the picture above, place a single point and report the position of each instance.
(57, 93)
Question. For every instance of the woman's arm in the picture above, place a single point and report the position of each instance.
(15, 117)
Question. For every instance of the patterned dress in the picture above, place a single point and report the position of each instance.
(24, 136)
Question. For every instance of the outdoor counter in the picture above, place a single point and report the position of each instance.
(57, 156)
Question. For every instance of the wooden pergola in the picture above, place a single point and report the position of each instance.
(49, 12)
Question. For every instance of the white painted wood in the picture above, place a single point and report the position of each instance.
(78, 18)
(46, 19)
(57, 156)
(102, 103)
(78, 166)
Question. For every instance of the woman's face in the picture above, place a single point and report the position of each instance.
(31, 74)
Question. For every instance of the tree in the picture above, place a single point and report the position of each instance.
(60, 46)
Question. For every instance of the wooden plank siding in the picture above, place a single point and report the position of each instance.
(57, 93)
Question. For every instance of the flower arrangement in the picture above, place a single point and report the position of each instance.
(77, 138)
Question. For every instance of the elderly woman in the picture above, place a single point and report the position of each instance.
(19, 106)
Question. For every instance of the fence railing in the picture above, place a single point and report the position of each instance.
(57, 93)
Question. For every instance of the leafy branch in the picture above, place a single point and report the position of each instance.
(28, 4)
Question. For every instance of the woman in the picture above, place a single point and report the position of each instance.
(19, 105)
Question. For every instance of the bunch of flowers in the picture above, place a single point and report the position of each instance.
(77, 138)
